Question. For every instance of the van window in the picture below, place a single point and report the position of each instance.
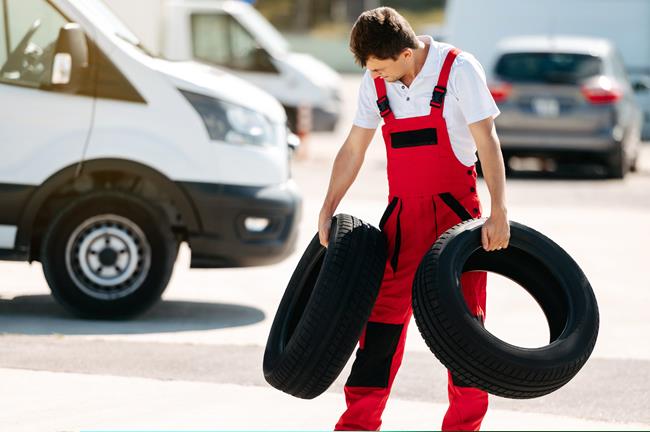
(3, 38)
(33, 29)
(263, 30)
(220, 39)
(558, 68)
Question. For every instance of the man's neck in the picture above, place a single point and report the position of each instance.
(419, 57)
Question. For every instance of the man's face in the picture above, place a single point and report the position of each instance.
(389, 69)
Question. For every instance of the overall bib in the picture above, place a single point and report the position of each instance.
(430, 190)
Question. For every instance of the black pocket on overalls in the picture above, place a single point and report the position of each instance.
(455, 206)
(387, 213)
(398, 229)
(414, 138)
(398, 240)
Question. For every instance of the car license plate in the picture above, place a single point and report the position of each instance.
(532, 164)
(545, 107)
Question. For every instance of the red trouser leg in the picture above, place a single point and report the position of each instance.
(381, 346)
(467, 405)
(378, 358)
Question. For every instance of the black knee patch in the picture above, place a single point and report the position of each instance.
(371, 366)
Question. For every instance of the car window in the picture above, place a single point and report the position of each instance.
(557, 68)
(220, 39)
(33, 29)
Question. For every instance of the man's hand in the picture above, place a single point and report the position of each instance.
(495, 234)
(324, 224)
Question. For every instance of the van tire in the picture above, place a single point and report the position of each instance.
(108, 255)
(324, 308)
(472, 354)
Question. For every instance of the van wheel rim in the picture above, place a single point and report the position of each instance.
(108, 257)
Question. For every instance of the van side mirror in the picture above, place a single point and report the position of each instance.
(263, 61)
(70, 59)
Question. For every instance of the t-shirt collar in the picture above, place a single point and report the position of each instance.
(429, 66)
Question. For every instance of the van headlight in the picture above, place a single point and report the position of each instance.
(231, 123)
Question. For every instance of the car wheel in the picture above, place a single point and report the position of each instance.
(108, 255)
(617, 165)
(324, 308)
(474, 355)
(634, 164)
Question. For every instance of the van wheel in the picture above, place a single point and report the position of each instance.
(108, 255)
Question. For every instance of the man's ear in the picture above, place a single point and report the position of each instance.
(406, 53)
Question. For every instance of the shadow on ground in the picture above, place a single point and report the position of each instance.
(41, 315)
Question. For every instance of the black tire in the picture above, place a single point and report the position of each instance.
(75, 271)
(464, 346)
(634, 165)
(617, 165)
(324, 308)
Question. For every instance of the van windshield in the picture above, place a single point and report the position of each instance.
(557, 68)
(106, 20)
(265, 33)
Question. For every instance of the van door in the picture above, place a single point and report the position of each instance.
(43, 128)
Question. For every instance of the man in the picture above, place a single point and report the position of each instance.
(431, 136)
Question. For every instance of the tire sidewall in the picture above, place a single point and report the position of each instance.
(565, 355)
(561, 265)
(279, 343)
(331, 320)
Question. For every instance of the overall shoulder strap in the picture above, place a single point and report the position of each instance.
(382, 100)
(438, 97)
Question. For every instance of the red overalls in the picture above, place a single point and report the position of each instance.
(430, 190)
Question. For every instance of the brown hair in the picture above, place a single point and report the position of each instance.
(382, 33)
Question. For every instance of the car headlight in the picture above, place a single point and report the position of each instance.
(231, 123)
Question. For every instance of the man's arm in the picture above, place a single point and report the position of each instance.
(346, 167)
(496, 230)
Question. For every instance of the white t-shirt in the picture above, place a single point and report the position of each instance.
(468, 98)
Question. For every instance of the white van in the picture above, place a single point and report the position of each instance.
(111, 158)
(479, 27)
(235, 36)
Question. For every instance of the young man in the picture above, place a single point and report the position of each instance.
(431, 138)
